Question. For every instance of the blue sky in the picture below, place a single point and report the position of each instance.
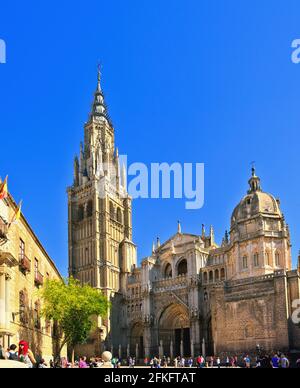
(186, 81)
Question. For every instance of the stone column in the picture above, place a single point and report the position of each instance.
(120, 351)
(147, 341)
(2, 299)
(203, 348)
(181, 348)
(128, 351)
(161, 349)
(136, 352)
(192, 349)
(171, 350)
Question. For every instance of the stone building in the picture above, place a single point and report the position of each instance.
(24, 267)
(190, 296)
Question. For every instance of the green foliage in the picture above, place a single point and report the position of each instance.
(73, 307)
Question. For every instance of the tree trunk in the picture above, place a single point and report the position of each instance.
(73, 357)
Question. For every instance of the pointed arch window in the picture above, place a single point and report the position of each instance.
(80, 212)
(168, 271)
(119, 216)
(90, 209)
(256, 260)
(245, 262)
(182, 268)
(277, 259)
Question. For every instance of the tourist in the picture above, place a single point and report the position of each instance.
(218, 362)
(298, 363)
(42, 364)
(275, 362)
(190, 362)
(182, 362)
(25, 355)
(227, 362)
(146, 361)
(247, 362)
(284, 362)
(82, 363)
(12, 353)
(114, 362)
(176, 363)
(165, 362)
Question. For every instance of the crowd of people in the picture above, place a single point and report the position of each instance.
(261, 361)
(22, 353)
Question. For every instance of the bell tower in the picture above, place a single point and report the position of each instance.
(101, 251)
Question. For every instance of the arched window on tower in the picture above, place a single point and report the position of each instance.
(269, 259)
(182, 268)
(90, 209)
(112, 211)
(205, 278)
(277, 259)
(256, 260)
(119, 216)
(211, 277)
(80, 212)
(245, 262)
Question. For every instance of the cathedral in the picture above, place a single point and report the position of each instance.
(191, 296)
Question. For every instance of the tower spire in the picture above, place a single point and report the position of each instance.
(254, 181)
(179, 227)
(99, 78)
(99, 108)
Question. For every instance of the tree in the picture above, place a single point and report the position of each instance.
(72, 307)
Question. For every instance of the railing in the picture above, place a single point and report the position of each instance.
(38, 279)
(170, 284)
(25, 263)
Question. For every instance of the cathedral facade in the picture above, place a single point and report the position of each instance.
(190, 296)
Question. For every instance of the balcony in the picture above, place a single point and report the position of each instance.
(38, 279)
(25, 263)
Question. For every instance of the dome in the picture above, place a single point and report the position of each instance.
(256, 202)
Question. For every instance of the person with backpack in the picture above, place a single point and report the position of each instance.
(12, 353)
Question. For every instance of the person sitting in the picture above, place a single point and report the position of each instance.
(12, 353)
(25, 355)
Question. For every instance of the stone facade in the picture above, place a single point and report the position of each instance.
(190, 296)
(24, 267)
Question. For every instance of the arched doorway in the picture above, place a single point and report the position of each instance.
(174, 328)
(137, 340)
